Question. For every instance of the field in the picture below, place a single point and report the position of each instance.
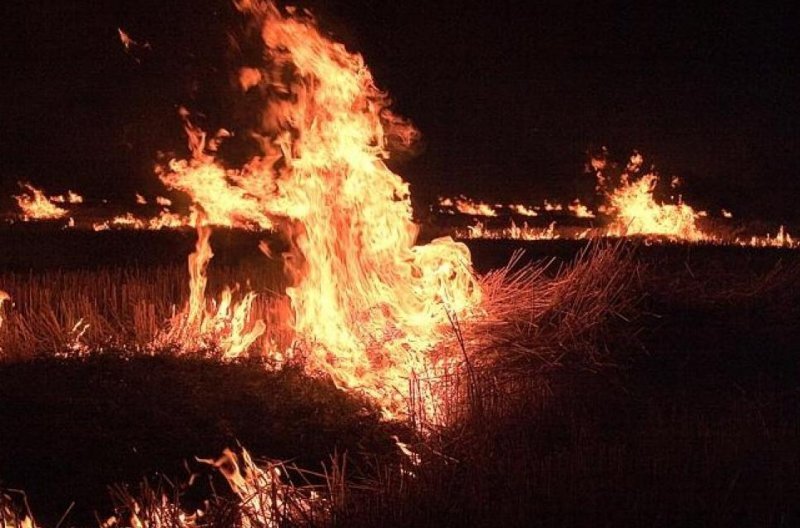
(650, 385)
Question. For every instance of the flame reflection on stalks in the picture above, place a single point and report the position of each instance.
(368, 304)
(35, 205)
(4, 297)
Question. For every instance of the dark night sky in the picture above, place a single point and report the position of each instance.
(508, 95)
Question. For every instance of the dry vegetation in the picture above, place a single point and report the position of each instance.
(626, 388)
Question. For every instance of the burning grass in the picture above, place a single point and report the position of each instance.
(555, 414)
(73, 312)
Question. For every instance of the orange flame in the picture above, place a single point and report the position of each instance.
(523, 210)
(464, 205)
(580, 210)
(223, 326)
(368, 304)
(637, 213)
(35, 205)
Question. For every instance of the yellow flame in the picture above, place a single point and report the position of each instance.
(464, 205)
(523, 210)
(35, 205)
(637, 212)
(368, 303)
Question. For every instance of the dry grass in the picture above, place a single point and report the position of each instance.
(269, 494)
(74, 311)
(538, 317)
(540, 429)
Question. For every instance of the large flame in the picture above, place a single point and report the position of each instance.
(368, 304)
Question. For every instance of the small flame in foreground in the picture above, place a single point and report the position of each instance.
(368, 304)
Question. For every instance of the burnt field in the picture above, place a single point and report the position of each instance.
(657, 385)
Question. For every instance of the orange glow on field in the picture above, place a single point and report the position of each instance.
(368, 304)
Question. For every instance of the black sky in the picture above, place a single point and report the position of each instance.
(508, 95)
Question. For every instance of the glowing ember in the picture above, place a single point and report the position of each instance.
(131, 45)
(35, 205)
(368, 304)
(126, 40)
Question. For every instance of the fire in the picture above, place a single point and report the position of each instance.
(637, 212)
(580, 210)
(368, 304)
(464, 205)
(221, 326)
(164, 220)
(71, 197)
(552, 206)
(35, 205)
(523, 210)
(782, 239)
(513, 232)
